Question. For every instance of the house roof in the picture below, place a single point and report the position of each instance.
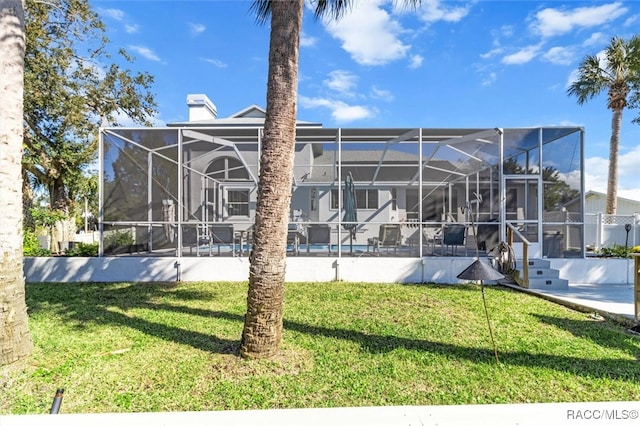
(251, 116)
(596, 194)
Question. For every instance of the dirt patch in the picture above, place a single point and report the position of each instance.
(288, 362)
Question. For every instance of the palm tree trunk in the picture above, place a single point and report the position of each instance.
(262, 332)
(15, 340)
(612, 179)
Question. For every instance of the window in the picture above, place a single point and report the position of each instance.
(238, 202)
(226, 169)
(365, 199)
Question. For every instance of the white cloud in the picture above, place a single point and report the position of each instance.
(522, 56)
(551, 22)
(196, 29)
(595, 175)
(489, 79)
(628, 170)
(559, 55)
(146, 52)
(631, 20)
(594, 39)
(573, 76)
(307, 41)
(507, 30)
(492, 53)
(572, 179)
(120, 16)
(116, 14)
(434, 11)
(341, 81)
(131, 28)
(340, 111)
(377, 93)
(597, 169)
(369, 34)
(415, 61)
(215, 62)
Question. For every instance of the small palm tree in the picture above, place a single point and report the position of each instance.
(618, 72)
(262, 331)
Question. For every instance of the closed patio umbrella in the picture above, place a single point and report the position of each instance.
(349, 206)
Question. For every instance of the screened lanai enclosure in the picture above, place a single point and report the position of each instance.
(190, 190)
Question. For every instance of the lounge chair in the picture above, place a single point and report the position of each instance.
(295, 236)
(389, 236)
(223, 235)
(454, 235)
(432, 235)
(194, 236)
(319, 234)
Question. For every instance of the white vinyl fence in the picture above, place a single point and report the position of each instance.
(602, 230)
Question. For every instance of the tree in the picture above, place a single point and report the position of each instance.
(15, 339)
(556, 191)
(262, 333)
(618, 72)
(69, 94)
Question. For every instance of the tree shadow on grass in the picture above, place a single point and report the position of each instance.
(95, 303)
(611, 368)
(595, 331)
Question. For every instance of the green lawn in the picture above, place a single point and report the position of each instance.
(166, 347)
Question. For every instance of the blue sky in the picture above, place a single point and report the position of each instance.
(447, 64)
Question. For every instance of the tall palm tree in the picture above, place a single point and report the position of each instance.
(262, 331)
(15, 340)
(618, 72)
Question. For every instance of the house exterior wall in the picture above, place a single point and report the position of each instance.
(596, 203)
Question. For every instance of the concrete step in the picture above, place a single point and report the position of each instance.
(543, 273)
(536, 263)
(548, 283)
(541, 276)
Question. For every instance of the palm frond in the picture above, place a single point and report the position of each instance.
(592, 80)
(262, 10)
(335, 9)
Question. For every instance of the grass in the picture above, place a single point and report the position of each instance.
(166, 347)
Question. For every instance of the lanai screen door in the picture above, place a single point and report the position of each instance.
(522, 209)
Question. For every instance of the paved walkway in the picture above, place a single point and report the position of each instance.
(612, 300)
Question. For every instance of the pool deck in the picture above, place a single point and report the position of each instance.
(615, 301)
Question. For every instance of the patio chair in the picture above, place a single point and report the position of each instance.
(194, 236)
(389, 236)
(243, 239)
(318, 234)
(432, 235)
(222, 235)
(488, 236)
(296, 235)
(454, 235)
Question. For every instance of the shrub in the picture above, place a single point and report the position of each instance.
(84, 250)
(115, 240)
(31, 245)
(616, 250)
